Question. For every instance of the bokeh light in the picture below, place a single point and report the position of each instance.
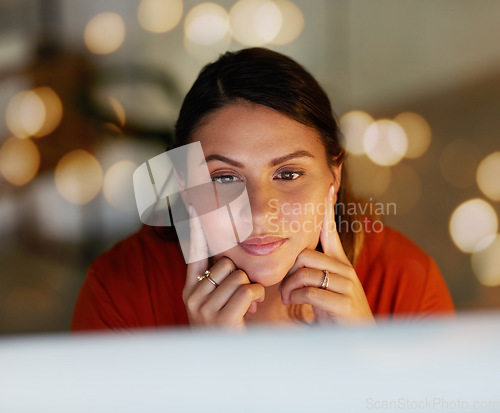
(488, 176)
(486, 264)
(458, 163)
(104, 33)
(53, 110)
(118, 185)
(25, 114)
(207, 53)
(160, 16)
(35, 113)
(417, 131)
(473, 225)
(19, 160)
(367, 178)
(292, 22)
(354, 125)
(206, 24)
(405, 189)
(57, 219)
(118, 109)
(78, 177)
(385, 142)
(255, 22)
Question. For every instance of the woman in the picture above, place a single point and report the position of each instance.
(263, 121)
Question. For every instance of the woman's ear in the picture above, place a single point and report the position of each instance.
(337, 175)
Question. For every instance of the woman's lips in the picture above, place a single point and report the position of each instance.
(262, 245)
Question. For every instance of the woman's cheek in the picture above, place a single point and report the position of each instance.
(219, 232)
(305, 220)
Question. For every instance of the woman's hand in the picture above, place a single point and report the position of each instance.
(224, 303)
(344, 300)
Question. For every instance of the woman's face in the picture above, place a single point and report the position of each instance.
(283, 165)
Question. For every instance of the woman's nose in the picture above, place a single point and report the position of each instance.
(263, 205)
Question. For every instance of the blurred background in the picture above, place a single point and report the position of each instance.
(91, 89)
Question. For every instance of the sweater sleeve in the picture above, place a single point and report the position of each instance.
(400, 280)
(136, 284)
(95, 309)
(436, 298)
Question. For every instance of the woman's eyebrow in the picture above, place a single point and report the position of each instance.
(273, 162)
(216, 157)
(296, 154)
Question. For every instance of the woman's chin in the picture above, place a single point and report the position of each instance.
(265, 273)
(266, 270)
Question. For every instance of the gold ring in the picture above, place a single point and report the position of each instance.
(326, 279)
(212, 281)
(207, 276)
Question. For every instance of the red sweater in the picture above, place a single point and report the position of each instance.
(139, 282)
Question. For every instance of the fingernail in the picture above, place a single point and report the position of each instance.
(331, 192)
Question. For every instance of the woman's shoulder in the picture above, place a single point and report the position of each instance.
(398, 275)
(139, 264)
(382, 244)
(136, 283)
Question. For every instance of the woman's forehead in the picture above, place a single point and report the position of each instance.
(255, 128)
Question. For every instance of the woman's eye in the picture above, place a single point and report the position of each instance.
(225, 179)
(289, 175)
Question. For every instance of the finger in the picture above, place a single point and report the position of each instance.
(240, 302)
(253, 307)
(221, 295)
(312, 277)
(329, 238)
(327, 301)
(218, 273)
(198, 249)
(315, 259)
